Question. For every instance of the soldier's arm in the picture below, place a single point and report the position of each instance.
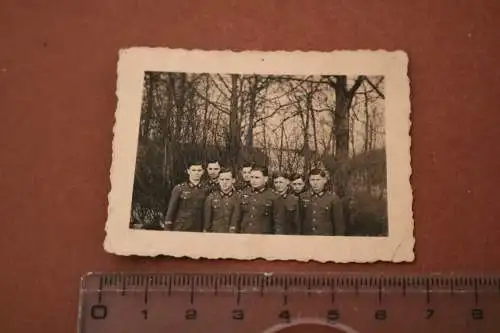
(234, 225)
(279, 216)
(207, 214)
(172, 208)
(301, 216)
(296, 220)
(338, 217)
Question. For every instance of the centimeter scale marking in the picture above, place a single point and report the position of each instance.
(256, 302)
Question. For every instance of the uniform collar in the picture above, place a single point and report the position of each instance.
(192, 185)
(212, 181)
(228, 194)
(284, 195)
(318, 194)
(260, 190)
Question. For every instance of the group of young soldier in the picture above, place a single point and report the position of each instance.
(251, 203)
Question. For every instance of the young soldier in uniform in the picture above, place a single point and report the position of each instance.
(290, 202)
(222, 207)
(321, 210)
(185, 208)
(298, 184)
(244, 183)
(262, 212)
(213, 170)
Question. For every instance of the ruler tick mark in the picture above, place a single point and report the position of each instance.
(99, 291)
(238, 292)
(427, 292)
(285, 294)
(146, 291)
(170, 286)
(124, 286)
(476, 294)
(191, 294)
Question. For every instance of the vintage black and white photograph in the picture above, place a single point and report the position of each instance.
(224, 154)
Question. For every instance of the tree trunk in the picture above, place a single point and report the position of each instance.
(352, 138)
(280, 161)
(177, 91)
(341, 128)
(234, 124)
(168, 141)
(252, 111)
(367, 122)
(307, 150)
(341, 118)
(313, 119)
(149, 85)
(204, 125)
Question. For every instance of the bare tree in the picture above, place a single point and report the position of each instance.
(234, 142)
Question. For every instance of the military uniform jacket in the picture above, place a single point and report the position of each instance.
(222, 212)
(262, 212)
(185, 209)
(290, 203)
(211, 185)
(321, 214)
(242, 186)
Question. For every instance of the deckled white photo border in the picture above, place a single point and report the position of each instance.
(133, 62)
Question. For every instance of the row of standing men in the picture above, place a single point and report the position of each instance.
(250, 206)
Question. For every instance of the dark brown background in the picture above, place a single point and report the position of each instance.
(57, 99)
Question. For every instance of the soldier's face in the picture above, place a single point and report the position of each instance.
(226, 181)
(317, 182)
(245, 173)
(213, 170)
(257, 179)
(195, 172)
(298, 185)
(281, 184)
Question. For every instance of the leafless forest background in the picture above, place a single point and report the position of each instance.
(289, 123)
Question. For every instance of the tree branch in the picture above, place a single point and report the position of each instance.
(272, 113)
(331, 82)
(375, 87)
(356, 85)
(215, 105)
(223, 82)
(219, 88)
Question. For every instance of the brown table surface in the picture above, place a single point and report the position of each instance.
(57, 103)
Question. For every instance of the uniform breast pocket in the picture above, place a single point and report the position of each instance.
(268, 207)
(185, 195)
(244, 206)
(215, 204)
(244, 199)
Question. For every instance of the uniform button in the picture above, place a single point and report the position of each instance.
(314, 212)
